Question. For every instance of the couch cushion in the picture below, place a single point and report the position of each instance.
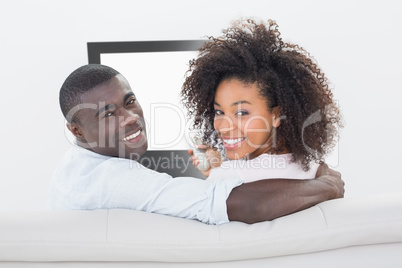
(127, 235)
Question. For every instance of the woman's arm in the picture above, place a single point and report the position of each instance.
(266, 200)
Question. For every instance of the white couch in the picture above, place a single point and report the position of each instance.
(351, 232)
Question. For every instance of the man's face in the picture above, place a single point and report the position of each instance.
(113, 122)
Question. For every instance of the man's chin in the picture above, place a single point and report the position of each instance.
(136, 153)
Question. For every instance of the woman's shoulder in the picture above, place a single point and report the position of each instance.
(275, 166)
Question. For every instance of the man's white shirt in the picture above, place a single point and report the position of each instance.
(87, 180)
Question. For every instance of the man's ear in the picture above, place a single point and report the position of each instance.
(76, 130)
(276, 116)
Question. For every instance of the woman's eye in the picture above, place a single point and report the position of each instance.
(240, 113)
(218, 112)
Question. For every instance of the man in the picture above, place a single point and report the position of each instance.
(104, 115)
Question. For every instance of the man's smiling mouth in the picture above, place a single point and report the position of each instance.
(132, 136)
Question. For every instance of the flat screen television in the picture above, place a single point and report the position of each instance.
(155, 71)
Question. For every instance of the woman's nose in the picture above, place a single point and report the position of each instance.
(225, 124)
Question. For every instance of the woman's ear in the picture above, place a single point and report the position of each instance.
(75, 129)
(276, 116)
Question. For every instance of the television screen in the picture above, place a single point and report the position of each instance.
(156, 71)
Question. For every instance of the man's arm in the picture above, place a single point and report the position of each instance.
(266, 200)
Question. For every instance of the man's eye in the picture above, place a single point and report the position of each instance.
(108, 114)
(131, 101)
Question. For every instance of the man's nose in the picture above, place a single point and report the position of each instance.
(129, 119)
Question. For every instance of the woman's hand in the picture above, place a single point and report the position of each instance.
(213, 157)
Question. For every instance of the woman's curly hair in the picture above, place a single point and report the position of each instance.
(287, 76)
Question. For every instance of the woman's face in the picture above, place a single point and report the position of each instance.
(242, 119)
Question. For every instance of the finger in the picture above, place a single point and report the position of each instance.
(194, 160)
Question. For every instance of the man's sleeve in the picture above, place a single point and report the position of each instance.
(142, 189)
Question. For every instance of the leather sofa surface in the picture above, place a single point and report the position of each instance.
(366, 230)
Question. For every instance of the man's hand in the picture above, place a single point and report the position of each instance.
(266, 200)
(333, 178)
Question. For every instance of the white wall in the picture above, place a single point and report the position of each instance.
(357, 43)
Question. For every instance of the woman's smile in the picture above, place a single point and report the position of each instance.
(232, 143)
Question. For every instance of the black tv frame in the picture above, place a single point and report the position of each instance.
(95, 49)
(179, 158)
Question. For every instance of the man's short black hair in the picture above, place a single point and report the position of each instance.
(82, 80)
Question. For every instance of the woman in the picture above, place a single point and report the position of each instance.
(264, 100)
